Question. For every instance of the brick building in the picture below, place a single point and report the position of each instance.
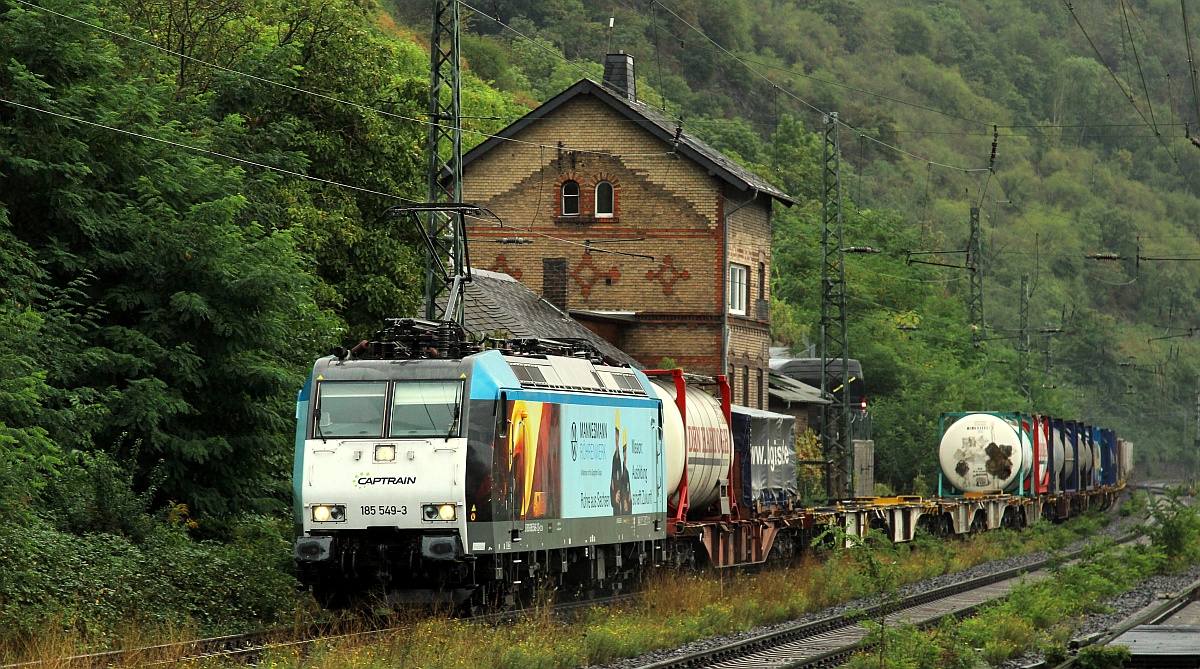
(594, 171)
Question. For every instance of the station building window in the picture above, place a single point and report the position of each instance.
(738, 286)
(570, 198)
(604, 200)
(762, 389)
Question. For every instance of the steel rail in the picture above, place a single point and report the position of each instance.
(756, 651)
(252, 644)
(1153, 616)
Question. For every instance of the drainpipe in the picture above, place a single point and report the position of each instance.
(725, 287)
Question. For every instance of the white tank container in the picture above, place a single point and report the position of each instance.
(707, 448)
(981, 452)
(1068, 470)
(1041, 430)
(1060, 451)
(1084, 459)
(672, 438)
(1026, 459)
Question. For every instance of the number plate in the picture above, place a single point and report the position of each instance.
(384, 510)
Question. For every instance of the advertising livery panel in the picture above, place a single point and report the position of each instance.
(578, 461)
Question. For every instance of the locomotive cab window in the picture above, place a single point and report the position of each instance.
(350, 409)
(426, 409)
(570, 198)
(604, 200)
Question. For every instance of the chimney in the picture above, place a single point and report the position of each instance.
(554, 282)
(618, 74)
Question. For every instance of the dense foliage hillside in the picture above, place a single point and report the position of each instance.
(189, 214)
(163, 294)
(1088, 107)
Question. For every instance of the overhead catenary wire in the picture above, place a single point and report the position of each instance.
(1191, 58)
(746, 62)
(714, 47)
(804, 102)
(1129, 96)
(589, 245)
(1138, 61)
(424, 121)
(210, 152)
(1150, 47)
(318, 94)
(300, 175)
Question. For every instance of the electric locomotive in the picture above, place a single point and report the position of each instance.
(464, 478)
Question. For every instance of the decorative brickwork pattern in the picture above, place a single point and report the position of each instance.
(667, 274)
(672, 204)
(501, 265)
(586, 274)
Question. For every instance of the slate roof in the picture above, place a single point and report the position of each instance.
(495, 301)
(791, 390)
(654, 121)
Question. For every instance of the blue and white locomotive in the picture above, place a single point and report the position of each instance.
(467, 478)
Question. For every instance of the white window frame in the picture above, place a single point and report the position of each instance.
(563, 197)
(612, 199)
(739, 276)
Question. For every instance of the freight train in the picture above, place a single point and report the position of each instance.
(430, 470)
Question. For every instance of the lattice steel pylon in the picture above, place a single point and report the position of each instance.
(975, 267)
(835, 417)
(1023, 343)
(444, 152)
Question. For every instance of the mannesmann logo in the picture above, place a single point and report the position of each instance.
(364, 479)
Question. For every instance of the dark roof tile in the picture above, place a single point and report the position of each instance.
(651, 119)
(497, 302)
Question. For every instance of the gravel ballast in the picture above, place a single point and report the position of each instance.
(1124, 605)
(1119, 527)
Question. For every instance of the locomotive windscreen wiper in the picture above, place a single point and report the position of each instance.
(454, 410)
(318, 426)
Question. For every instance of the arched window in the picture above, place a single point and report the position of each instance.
(604, 200)
(570, 198)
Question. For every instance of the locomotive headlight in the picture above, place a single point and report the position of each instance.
(384, 453)
(439, 511)
(328, 513)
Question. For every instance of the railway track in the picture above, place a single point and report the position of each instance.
(246, 647)
(1177, 610)
(819, 643)
(830, 641)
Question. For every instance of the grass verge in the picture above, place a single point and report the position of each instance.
(1042, 616)
(677, 608)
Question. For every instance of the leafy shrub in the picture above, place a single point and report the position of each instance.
(1175, 529)
(1103, 657)
(91, 585)
(96, 494)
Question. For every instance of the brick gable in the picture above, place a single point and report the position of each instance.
(670, 201)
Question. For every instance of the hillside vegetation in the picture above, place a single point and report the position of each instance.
(189, 215)
(924, 89)
(162, 295)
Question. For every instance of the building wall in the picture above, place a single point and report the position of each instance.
(661, 197)
(749, 335)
